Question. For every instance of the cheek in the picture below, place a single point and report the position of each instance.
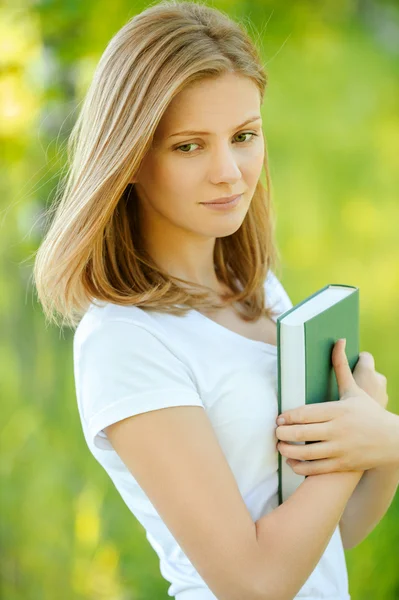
(174, 193)
(252, 167)
(259, 154)
(180, 177)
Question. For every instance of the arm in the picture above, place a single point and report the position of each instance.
(293, 537)
(373, 495)
(176, 459)
(172, 451)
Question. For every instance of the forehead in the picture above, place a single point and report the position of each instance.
(213, 104)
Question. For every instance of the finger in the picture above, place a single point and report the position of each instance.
(366, 360)
(315, 451)
(345, 380)
(304, 433)
(382, 379)
(314, 467)
(310, 413)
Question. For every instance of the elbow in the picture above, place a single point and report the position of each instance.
(267, 584)
(349, 541)
(349, 545)
(270, 596)
(269, 591)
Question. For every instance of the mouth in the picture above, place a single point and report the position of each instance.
(222, 203)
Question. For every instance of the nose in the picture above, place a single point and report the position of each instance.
(224, 166)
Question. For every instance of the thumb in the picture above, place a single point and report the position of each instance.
(345, 380)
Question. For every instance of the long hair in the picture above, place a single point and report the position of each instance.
(92, 250)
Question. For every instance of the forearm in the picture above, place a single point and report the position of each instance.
(393, 458)
(368, 504)
(374, 493)
(301, 529)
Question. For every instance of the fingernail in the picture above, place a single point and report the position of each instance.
(344, 343)
(280, 421)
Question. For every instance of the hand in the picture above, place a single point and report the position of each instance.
(349, 434)
(367, 378)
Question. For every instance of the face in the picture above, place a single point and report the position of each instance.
(182, 170)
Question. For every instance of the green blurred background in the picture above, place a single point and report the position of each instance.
(332, 127)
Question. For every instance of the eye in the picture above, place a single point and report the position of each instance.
(249, 133)
(254, 135)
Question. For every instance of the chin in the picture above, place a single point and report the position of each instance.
(224, 229)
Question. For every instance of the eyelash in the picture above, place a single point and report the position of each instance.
(254, 135)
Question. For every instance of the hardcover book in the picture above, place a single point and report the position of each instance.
(306, 335)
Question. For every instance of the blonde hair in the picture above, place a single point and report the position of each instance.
(92, 248)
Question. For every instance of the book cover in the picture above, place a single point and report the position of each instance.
(305, 341)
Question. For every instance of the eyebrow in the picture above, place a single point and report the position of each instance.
(189, 132)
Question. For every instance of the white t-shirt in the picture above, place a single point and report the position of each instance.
(129, 361)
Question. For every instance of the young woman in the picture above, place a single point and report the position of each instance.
(162, 252)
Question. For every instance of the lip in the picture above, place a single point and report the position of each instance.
(222, 200)
(223, 206)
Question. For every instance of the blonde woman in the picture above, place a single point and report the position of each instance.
(161, 252)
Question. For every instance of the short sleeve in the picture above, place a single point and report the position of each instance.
(124, 369)
(276, 296)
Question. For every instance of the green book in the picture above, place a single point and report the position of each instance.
(306, 335)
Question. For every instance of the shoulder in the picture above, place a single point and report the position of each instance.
(126, 364)
(116, 323)
(112, 338)
(115, 337)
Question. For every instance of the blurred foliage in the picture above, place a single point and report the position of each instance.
(332, 127)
